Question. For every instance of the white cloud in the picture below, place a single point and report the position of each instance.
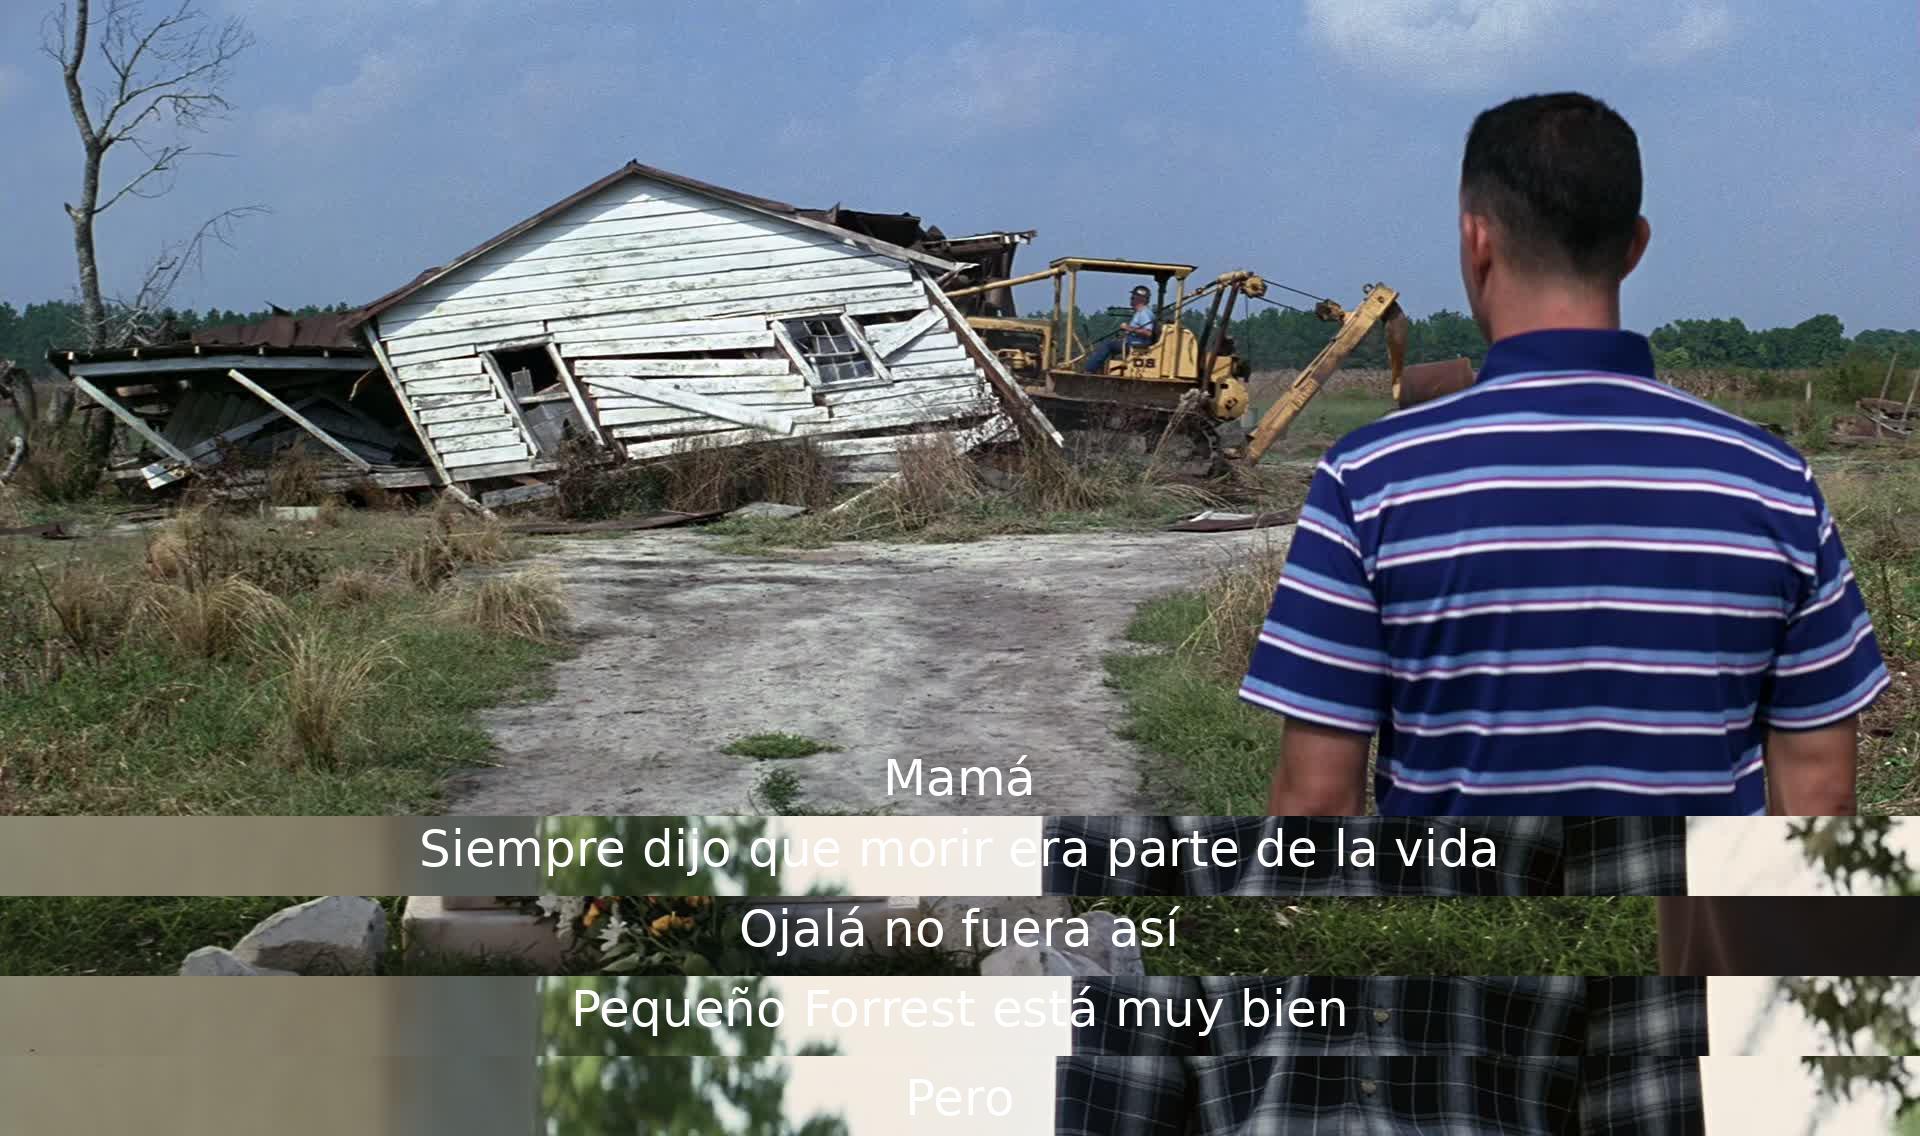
(1696, 29)
(1456, 45)
(983, 84)
(384, 80)
(1443, 44)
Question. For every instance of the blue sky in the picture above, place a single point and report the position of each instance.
(1317, 143)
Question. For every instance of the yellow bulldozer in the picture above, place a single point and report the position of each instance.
(1184, 395)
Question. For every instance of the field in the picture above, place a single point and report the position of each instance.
(223, 661)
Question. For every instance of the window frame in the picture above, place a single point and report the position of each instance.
(881, 375)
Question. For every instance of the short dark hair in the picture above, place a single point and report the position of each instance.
(1560, 174)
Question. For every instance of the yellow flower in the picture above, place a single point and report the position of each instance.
(669, 923)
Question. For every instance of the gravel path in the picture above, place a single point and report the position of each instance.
(960, 654)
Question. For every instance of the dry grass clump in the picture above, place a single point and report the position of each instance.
(528, 605)
(209, 620)
(451, 543)
(1237, 599)
(57, 467)
(934, 478)
(701, 477)
(84, 608)
(321, 681)
(356, 587)
(295, 476)
(198, 544)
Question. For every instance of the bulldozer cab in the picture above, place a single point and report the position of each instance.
(1159, 360)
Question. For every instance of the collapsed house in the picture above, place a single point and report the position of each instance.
(229, 397)
(642, 315)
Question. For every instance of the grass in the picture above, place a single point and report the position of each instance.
(1233, 935)
(941, 498)
(774, 746)
(228, 664)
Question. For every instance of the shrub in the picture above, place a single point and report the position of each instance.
(58, 467)
(322, 683)
(209, 620)
(526, 604)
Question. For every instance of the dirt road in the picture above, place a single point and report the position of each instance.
(964, 654)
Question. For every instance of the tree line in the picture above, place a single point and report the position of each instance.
(27, 334)
(1276, 339)
(1271, 339)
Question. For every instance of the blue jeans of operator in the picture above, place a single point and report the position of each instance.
(1097, 362)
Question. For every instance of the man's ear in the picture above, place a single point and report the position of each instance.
(1476, 248)
(1642, 233)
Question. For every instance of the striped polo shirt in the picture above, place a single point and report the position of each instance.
(1569, 589)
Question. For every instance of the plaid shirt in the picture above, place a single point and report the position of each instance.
(1633, 855)
(1518, 1056)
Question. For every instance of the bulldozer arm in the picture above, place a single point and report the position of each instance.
(1382, 305)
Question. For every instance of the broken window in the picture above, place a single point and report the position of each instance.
(833, 349)
(540, 393)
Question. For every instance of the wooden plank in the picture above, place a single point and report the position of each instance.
(669, 345)
(477, 384)
(505, 391)
(839, 426)
(951, 370)
(931, 349)
(641, 414)
(696, 329)
(344, 361)
(521, 467)
(685, 368)
(702, 404)
(133, 421)
(865, 301)
(577, 394)
(207, 449)
(1011, 395)
(902, 389)
(488, 441)
(511, 458)
(859, 338)
(492, 424)
(464, 366)
(551, 290)
(402, 347)
(591, 371)
(887, 444)
(795, 356)
(746, 396)
(372, 333)
(518, 495)
(461, 411)
(915, 407)
(300, 420)
(891, 338)
(620, 265)
(673, 300)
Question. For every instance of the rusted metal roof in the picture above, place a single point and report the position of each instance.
(830, 220)
(333, 329)
(330, 333)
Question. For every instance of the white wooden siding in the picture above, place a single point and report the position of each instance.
(646, 283)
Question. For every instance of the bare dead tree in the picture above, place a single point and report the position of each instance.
(159, 79)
